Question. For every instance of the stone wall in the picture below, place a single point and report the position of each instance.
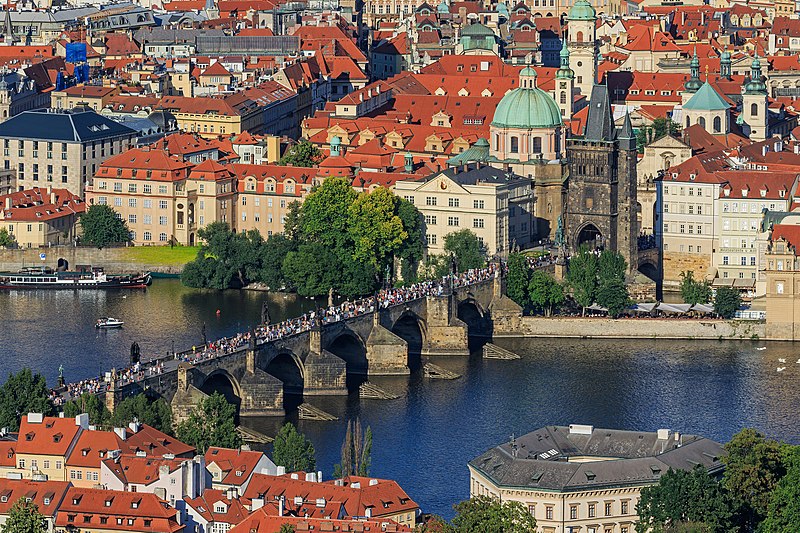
(629, 328)
(677, 262)
(113, 260)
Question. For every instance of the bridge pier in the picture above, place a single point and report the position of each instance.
(326, 374)
(262, 395)
(447, 335)
(386, 352)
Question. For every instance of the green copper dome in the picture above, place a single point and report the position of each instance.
(756, 84)
(527, 106)
(582, 10)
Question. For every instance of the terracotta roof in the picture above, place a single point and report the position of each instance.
(211, 501)
(162, 165)
(100, 510)
(216, 69)
(261, 522)
(52, 436)
(7, 453)
(47, 495)
(90, 91)
(236, 465)
(140, 470)
(300, 176)
(155, 443)
(92, 447)
(36, 205)
(789, 233)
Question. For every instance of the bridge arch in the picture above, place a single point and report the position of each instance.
(288, 367)
(476, 317)
(352, 349)
(412, 329)
(223, 382)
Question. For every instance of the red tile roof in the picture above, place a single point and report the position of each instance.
(216, 69)
(140, 470)
(237, 465)
(47, 495)
(92, 448)
(98, 509)
(52, 436)
(789, 233)
(206, 505)
(35, 204)
(162, 165)
(261, 522)
(155, 443)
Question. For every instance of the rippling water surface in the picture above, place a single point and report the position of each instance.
(425, 438)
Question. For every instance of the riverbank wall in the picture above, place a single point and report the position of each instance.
(123, 260)
(628, 328)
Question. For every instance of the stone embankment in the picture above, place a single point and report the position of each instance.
(629, 328)
(113, 260)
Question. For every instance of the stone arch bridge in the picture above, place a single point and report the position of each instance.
(334, 358)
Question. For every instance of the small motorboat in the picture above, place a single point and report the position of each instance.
(108, 323)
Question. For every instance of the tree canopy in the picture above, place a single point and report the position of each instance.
(302, 154)
(90, 404)
(7, 240)
(469, 252)
(727, 301)
(518, 279)
(211, 423)
(582, 277)
(23, 393)
(337, 239)
(492, 516)
(694, 291)
(544, 292)
(101, 226)
(783, 511)
(293, 450)
(24, 517)
(153, 412)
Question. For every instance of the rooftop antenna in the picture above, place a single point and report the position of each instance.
(513, 446)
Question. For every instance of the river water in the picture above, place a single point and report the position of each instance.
(425, 438)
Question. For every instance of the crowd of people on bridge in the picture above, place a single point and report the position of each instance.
(270, 332)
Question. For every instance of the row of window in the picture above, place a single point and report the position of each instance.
(257, 218)
(432, 220)
(35, 172)
(682, 228)
(257, 202)
(683, 207)
(733, 207)
(147, 220)
(133, 202)
(87, 519)
(45, 464)
(742, 260)
(147, 188)
(681, 191)
(682, 248)
(451, 202)
(78, 475)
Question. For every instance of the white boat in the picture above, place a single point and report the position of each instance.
(108, 323)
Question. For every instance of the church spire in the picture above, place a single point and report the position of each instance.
(565, 72)
(8, 32)
(693, 83)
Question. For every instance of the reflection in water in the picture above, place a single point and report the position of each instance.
(425, 438)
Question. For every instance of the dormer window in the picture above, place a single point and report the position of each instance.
(763, 193)
(782, 194)
(744, 193)
(239, 473)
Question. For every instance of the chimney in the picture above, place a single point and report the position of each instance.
(35, 418)
(135, 426)
(82, 420)
(280, 505)
(319, 476)
(8, 198)
(281, 470)
(121, 433)
(233, 494)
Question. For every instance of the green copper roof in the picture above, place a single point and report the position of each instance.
(527, 108)
(582, 10)
(565, 72)
(477, 30)
(756, 84)
(706, 99)
(477, 152)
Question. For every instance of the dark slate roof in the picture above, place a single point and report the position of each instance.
(541, 459)
(600, 122)
(626, 136)
(484, 174)
(63, 126)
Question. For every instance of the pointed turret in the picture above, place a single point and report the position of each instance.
(565, 72)
(625, 135)
(725, 64)
(599, 122)
(756, 84)
(693, 83)
(8, 31)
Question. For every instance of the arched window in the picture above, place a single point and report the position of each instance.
(563, 97)
(702, 121)
(496, 140)
(537, 145)
(514, 145)
(754, 109)
(148, 236)
(688, 122)
(717, 124)
(579, 37)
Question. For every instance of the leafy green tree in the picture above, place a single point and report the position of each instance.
(660, 127)
(582, 277)
(293, 450)
(325, 214)
(518, 279)
(468, 250)
(302, 154)
(286, 528)
(489, 515)
(412, 249)
(435, 524)
(686, 497)
(613, 295)
(6, 239)
(545, 292)
(23, 393)
(273, 252)
(694, 291)
(226, 258)
(783, 512)
(753, 467)
(24, 517)
(153, 412)
(291, 224)
(611, 266)
(313, 269)
(375, 228)
(727, 301)
(101, 226)
(90, 404)
(211, 423)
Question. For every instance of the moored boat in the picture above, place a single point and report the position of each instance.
(109, 323)
(45, 278)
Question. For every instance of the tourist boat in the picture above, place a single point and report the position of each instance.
(109, 323)
(94, 278)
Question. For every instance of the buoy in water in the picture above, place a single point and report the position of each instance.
(219, 312)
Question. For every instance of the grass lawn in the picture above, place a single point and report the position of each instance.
(160, 255)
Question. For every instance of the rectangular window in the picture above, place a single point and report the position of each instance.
(118, 202)
(478, 204)
(573, 512)
(592, 511)
(117, 187)
(477, 223)
(162, 189)
(131, 219)
(624, 509)
(147, 219)
(147, 203)
(453, 202)
(147, 188)
(608, 504)
(548, 513)
(162, 221)
(430, 200)
(452, 221)
(131, 202)
(162, 204)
